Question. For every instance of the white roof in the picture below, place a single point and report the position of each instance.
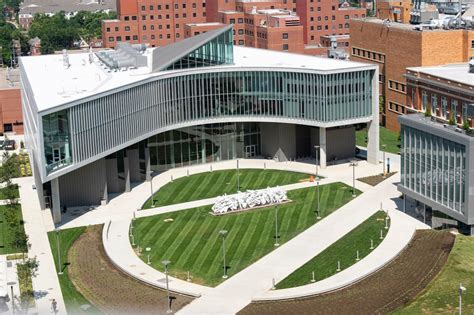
(453, 72)
(53, 85)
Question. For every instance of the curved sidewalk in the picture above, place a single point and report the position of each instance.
(402, 229)
(117, 247)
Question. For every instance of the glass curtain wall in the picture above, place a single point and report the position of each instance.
(217, 51)
(203, 144)
(434, 167)
(57, 148)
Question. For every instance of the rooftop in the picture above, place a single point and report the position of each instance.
(55, 6)
(9, 78)
(431, 123)
(83, 79)
(453, 72)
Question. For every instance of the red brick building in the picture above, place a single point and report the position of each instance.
(445, 90)
(286, 25)
(11, 117)
(397, 46)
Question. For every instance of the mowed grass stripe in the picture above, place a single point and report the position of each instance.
(212, 184)
(192, 241)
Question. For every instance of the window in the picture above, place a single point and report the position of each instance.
(241, 32)
(347, 25)
(285, 47)
(472, 44)
(143, 8)
(285, 35)
(232, 21)
(424, 100)
(119, 38)
(127, 37)
(116, 29)
(108, 29)
(464, 111)
(241, 42)
(240, 20)
(135, 37)
(454, 108)
(126, 18)
(111, 39)
(143, 17)
(434, 103)
(346, 17)
(127, 28)
(444, 106)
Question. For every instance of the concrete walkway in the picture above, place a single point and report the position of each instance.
(402, 229)
(124, 205)
(293, 254)
(45, 284)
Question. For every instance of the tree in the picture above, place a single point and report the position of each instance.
(465, 124)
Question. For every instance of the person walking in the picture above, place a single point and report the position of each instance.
(54, 306)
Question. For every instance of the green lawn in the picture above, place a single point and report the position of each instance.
(11, 228)
(72, 297)
(192, 242)
(213, 184)
(344, 250)
(3, 190)
(388, 137)
(441, 295)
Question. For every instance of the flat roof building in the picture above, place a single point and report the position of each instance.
(437, 171)
(395, 47)
(104, 120)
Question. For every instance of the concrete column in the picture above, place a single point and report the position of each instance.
(322, 147)
(373, 126)
(126, 171)
(373, 142)
(147, 164)
(56, 201)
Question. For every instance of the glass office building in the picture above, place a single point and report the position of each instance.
(108, 119)
(436, 166)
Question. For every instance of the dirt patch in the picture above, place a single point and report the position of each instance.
(107, 288)
(386, 290)
(376, 179)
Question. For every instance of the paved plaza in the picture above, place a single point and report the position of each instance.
(281, 262)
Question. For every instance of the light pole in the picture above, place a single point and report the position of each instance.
(151, 190)
(353, 164)
(461, 291)
(318, 215)
(223, 234)
(60, 270)
(276, 226)
(166, 263)
(383, 151)
(238, 176)
(148, 249)
(316, 148)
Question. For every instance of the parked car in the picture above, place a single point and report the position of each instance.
(2, 144)
(9, 145)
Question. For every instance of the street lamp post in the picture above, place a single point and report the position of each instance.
(316, 148)
(148, 249)
(383, 151)
(276, 226)
(461, 291)
(60, 270)
(238, 176)
(166, 263)
(151, 190)
(353, 164)
(318, 215)
(223, 234)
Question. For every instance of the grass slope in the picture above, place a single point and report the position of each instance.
(344, 250)
(192, 242)
(213, 184)
(72, 297)
(441, 295)
(7, 231)
(388, 137)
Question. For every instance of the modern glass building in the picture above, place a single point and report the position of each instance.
(120, 115)
(436, 168)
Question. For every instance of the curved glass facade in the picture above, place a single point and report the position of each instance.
(102, 124)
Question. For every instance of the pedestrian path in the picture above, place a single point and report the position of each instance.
(125, 205)
(239, 290)
(402, 229)
(45, 284)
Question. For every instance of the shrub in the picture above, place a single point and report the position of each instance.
(465, 125)
(428, 111)
(452, 121)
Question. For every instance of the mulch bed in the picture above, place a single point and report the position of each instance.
(107, 288)
(376, 179)
(388, 289)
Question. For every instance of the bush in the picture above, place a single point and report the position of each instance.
(452, 121)
(465, 125)
(428, 111)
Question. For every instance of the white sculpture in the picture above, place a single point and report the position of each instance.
(249, 199)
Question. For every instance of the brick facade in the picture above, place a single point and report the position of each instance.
(394, 47)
